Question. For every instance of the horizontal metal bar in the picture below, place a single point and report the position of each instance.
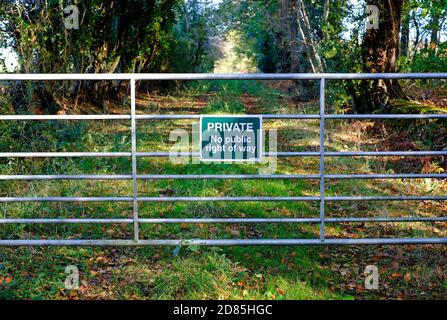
(62, 154)
(65, 177)
(73, 242)
(307, 198)
(166, 116)
(388, 176)
(309, 154)
(228, 220)
(214, 199)
(306, 116)
(220, 76)
(196, 116)
(224, 242)
(386, 198)
(291, 176)
(65, 117)
(225, 199)
(386, 116)
(289, 116)
(387, 219)
(224, 176)
(197, 154)
(65, 199)
(355, 116)
(216, 220)
(384, 153)
(163, 154)
(64, 221)
(290, 220)
(291, 154)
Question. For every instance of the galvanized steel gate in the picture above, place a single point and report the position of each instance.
(134, 176)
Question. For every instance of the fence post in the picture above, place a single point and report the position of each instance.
(134, 159)
(322, 188)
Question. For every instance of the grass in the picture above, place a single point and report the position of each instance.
(212, 272)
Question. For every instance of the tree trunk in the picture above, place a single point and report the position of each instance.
(434, 29)
(305, 33)
(417, 32)
(380, 49)
(326, 11)
(405, 36)
(296, 46)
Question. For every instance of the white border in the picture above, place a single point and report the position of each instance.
(260, 137)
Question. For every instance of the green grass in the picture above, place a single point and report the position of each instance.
(195, 272)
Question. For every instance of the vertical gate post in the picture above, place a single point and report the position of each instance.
(322, 188)
(134, 159)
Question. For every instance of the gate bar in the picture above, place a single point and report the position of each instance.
(293, 220)
(216, 220)
(225, 176)
(217, 199)
(195, 116)
(223, 242)
(62, 154)
(218, 76)
(64, 220)
(196, 154)
(66, 117)
(134, 160)
(322, 137)
(302, 116)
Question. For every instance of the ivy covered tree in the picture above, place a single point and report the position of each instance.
(113, 36)
(380, 51)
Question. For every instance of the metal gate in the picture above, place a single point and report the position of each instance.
(133, 175)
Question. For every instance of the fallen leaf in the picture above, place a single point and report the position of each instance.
(236, 233)
(280, 291)
(184, 226)
(407, 277)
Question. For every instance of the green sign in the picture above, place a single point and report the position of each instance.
(231, 138)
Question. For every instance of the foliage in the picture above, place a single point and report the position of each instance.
(256, 25)
(430, 59)
(114, 36)
(193, 39)
(125, 36)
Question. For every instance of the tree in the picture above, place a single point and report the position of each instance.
(296, 45)
(193, 38)
(380, 50)
(326, 10)
(405, 35)
(280, 35)
(437, 11)
(114, 36)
